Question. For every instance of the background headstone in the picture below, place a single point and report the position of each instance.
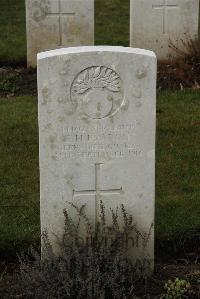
(58, 23)
(154, 24)
(97, 113)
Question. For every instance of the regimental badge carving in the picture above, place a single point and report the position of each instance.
(97, 92)
(40, 9)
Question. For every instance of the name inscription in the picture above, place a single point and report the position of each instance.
(98, 142)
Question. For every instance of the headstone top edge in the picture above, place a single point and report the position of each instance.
(89, 49)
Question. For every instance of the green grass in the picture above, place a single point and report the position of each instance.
(112, 22)
(177, 168)
(13, 32)
(19, 179)
(177, 179)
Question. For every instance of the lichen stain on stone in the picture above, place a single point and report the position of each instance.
(65, 138)
(138, 104)
(45, 93)
(107, 159)
(70, 110)
(72, 28)
(111, 118)
(48, 126)
(74, 33)
(61, 119)
(40, 9)
(69, 180)
(118, 102)
(115, 65)
(53, 81)
(66, 59)
(64, 71)
(71, 40)
(125, 105)
(49, 112)
(65, 68)
(138, 123)
(52, 145)
(55, 206)
(52, 140)
(142, 72)
(61, 100)
(151, 154)
(137, 93)
(122, 192)
(85, 118)
(54, 158)
(44, 101)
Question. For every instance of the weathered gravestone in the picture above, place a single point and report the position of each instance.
(97, 112)
(58, 23)
(158, 24)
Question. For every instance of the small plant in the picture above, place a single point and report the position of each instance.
(9, 84)
(98, 268)
(177, 289)
(182, 70)
(190, 51)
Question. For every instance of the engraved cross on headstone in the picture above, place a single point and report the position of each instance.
(97, 192)
(60, 14)
(165, 6)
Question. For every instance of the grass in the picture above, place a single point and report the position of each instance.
(178, 156)
(19, 179)
(177, 179)
(112, 22)
(13, 32)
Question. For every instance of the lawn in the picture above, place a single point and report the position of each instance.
(19, 175)
(177, 165)
(177, 193)
(13, 32)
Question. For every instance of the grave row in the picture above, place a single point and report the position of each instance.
(97, 112)
(154, 25)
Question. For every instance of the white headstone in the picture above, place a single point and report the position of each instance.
(155, 24)
(53, 24)
(97, 113)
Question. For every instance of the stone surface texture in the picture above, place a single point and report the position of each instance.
(53, 24)
(155, 24)
(97, 115)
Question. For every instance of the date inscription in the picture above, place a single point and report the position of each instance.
(98, 142)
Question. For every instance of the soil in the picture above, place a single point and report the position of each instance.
(154, 287)
(174, 74)
(17, 81)
(181, 260)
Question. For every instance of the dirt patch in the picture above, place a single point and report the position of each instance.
(17, 81)
(165, 272)
(183, 69)
(179, 72)
(154, 287)
(176, 74)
